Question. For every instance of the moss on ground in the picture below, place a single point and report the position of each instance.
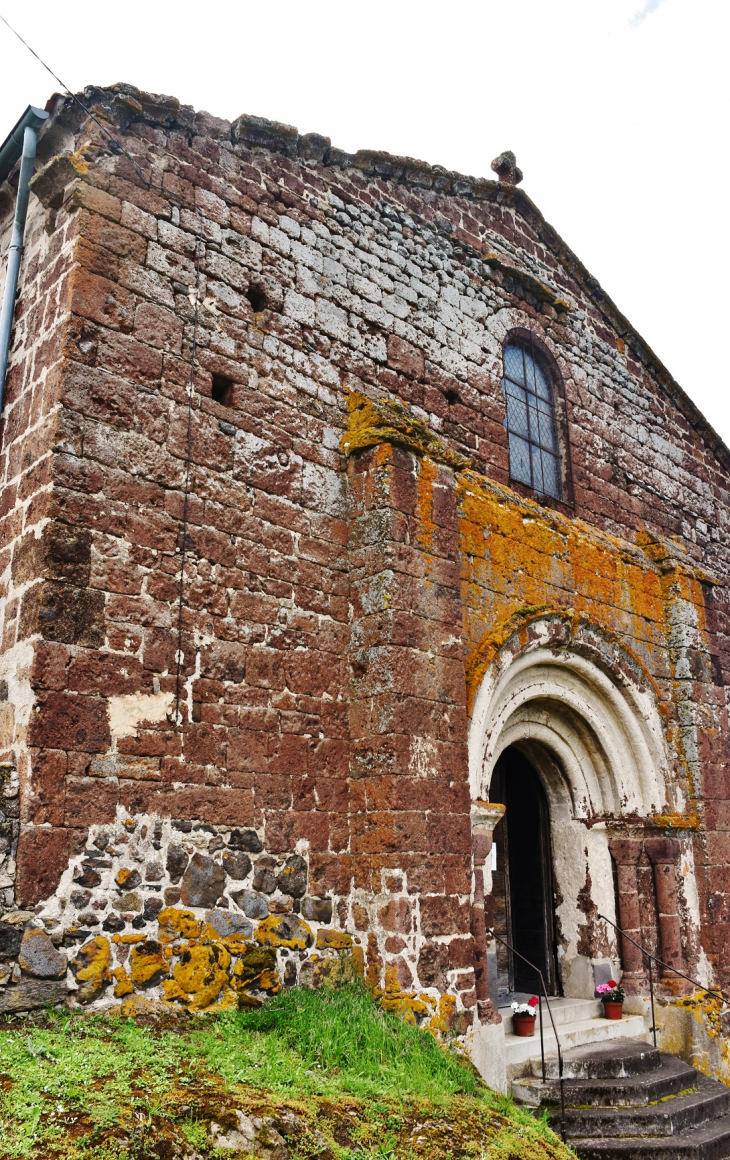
(359, 1082)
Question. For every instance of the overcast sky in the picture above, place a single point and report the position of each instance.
(617, 111)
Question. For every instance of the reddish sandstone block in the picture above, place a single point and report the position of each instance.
(43, 853)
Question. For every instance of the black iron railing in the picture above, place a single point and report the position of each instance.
(561, 1080)
(655, 959)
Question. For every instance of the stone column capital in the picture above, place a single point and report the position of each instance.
(663, 850)
(625, 851)
(485, 816)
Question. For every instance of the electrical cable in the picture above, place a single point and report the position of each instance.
(183, 548)
(118, 148)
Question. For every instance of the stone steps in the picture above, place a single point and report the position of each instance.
(577, 1022)
(627, 1101)
(670, 1079)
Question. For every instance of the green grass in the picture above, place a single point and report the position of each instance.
(97, 1087)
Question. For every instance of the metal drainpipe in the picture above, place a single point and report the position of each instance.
(30, 122)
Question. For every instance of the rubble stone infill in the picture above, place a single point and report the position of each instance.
(153, 912)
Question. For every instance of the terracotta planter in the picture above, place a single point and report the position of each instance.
(524, 1024)
(613, 1010)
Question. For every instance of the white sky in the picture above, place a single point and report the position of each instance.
(617, 111)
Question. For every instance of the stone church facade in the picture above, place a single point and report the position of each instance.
(342, 509)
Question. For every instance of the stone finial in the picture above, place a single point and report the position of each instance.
(505, 166)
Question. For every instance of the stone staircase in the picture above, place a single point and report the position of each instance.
(626, 1101)
(577, 1021)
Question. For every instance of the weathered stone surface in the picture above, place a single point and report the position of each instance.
(251, 1136)
(264, 878)
(225, 922)
(128, 902)
(128, 879)
(200, 973)
(28, 994)
(317, 909)
(177, 862)
(237, 866)
(113, 923)
(252, 904)
(148, 966)
(293, 878)
(10, 939)
(39, 957)
(203, 882)
(245, 840)
(92, 968)
(287, 930)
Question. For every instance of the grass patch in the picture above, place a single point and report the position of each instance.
(360, 1083)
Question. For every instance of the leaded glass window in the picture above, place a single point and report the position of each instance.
(530, 422)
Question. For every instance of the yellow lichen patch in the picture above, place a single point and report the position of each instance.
(127, 939)
(201, 972)
(135, 1005)
(227, 1000)
(269, 981)
(335, 939)
(91, 967)
(147, 964)
(124, 875)
(173, 991)
(523, 562)
(251, 966)
(675, 821)
(123, 984)
(372, 422)
(410, 1007)
(284, 930)
(443, 1020)
(174, 923)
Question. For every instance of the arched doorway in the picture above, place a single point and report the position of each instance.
(581, 715)
(522, 885)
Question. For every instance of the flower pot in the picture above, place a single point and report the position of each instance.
(523, 1024)
(613, 1010)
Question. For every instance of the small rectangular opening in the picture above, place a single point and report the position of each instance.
(222, 390)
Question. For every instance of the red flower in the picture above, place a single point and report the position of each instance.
(612, 983)
(533, 1001)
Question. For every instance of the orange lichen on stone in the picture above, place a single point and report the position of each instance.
(91, 967)
(201, 972)
(123, 984)
(174, 924)
(522, 561)
(372, 422)
(284, 930)
(335, 939)
(147, 964)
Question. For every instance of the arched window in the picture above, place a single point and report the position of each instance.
(530, 421)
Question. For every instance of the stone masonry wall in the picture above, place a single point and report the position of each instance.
(323, 687)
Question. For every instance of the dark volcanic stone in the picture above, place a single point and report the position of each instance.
(252, 904)
(236, 866)
(293, 878)
(264, 878)
(10, 939)
(226, 922)
(39, 957)
(245, 840)
(203, 883)
(88, 877)
(152, 907)
(113, 923)
(177, 863)
(317, 909)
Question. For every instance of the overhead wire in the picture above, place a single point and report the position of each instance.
(118, 149)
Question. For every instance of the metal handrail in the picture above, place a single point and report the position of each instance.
(561, 1079)
(655, 958)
